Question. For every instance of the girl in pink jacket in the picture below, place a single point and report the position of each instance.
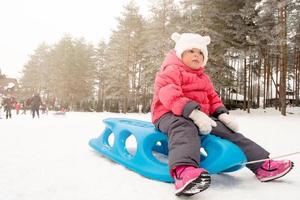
(186, 106)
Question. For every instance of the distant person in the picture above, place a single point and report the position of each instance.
(26, 104)
(0, 110)
(44, 108)
(62, 111)
(36, 101)
(8, 104)
(17, 107)
(186, 107)
(23, 107)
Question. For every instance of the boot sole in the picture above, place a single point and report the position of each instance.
(195, 186)
(281, 175)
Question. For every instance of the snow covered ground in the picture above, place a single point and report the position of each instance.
(49, 159)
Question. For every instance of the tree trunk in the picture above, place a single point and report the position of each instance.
(264, 95)
(245, 83)
(277, 104)
(268, 98)
(283, 57)
(249, 85)
(297, 61)
(258, 83)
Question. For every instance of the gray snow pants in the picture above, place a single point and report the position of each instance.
(184, 142)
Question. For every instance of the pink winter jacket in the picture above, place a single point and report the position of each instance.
(177, 86)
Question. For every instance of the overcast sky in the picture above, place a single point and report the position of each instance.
(27, 23)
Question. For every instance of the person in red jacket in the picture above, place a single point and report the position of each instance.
(17, 107)
(185, 106)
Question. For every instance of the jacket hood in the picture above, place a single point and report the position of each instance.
(172, 59)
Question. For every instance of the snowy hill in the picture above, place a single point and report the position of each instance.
(49, 159)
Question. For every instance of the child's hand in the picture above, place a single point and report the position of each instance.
(229, 121)
(204, 122)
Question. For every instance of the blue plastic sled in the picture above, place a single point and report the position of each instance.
(221, 155)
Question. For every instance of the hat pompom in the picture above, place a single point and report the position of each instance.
(206, 40)
(175, 36)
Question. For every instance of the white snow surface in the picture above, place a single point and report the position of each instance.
(49, 159)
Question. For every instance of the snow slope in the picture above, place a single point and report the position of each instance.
(49, 159)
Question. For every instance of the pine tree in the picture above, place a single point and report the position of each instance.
(36, 71)
(72, 74)
(102, 70)
(122, 52)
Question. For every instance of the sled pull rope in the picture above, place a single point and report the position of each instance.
(275, 157)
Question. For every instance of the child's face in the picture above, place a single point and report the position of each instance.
(193, 58)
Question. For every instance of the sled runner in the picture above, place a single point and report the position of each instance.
(151, 146)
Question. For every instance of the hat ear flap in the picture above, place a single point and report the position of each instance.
(175, 36)
(206, 40)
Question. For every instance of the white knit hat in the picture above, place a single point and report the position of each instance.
(187, 41)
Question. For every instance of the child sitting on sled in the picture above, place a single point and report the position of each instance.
(185, 106)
